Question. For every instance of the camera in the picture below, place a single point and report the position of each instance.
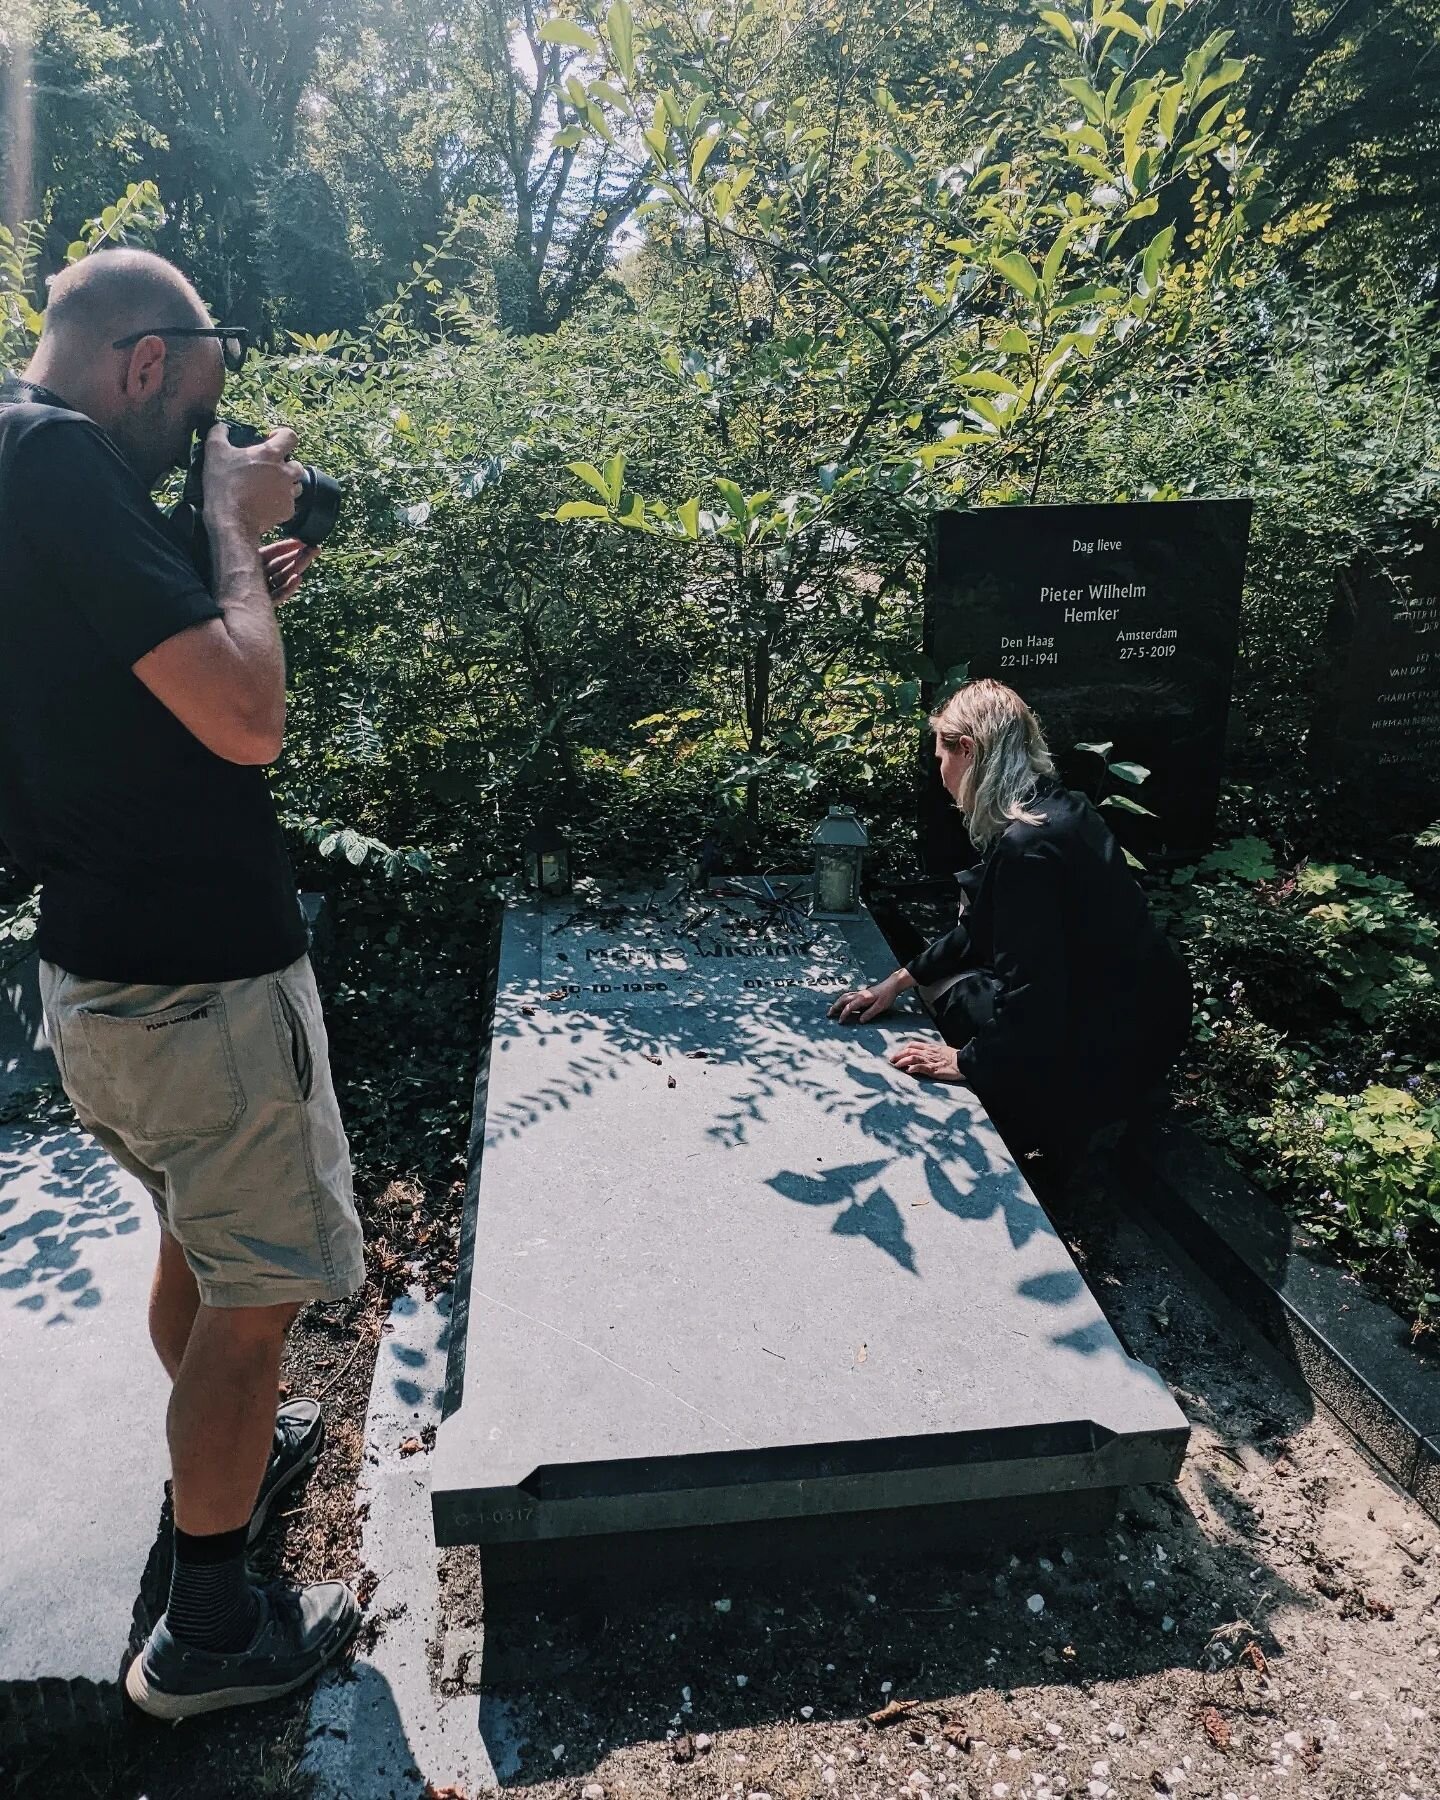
(316, 510)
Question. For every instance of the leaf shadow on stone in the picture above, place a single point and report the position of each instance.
(875, 1217)
(41, 1256)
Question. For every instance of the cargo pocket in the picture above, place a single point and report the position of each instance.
(157, 1075)
(295, 1040)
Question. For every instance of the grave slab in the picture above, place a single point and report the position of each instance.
(726, 1268)
(82, 1405)
(82, 1400)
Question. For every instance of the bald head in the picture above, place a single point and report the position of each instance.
(114, 292)
(151, 395)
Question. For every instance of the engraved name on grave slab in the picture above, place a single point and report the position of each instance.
(1117, 623)
(676, 954)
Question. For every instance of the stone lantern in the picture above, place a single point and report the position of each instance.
(547, 861)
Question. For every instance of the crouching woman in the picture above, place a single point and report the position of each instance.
(1061, 1002)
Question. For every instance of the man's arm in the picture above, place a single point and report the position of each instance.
(224, 680)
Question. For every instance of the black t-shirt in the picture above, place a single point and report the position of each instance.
(160, 861)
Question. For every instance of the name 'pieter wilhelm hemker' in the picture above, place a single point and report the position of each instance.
(1098, 590)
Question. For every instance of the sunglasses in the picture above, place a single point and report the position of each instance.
(234, 340)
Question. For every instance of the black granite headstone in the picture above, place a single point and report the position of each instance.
(1377, 722)
(1118, 623)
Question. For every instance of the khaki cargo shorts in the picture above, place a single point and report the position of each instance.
(218, 1097)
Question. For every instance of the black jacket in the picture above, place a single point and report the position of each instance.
(1071, 1003)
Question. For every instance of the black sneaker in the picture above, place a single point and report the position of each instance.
(300, 1630)
(299, 1433)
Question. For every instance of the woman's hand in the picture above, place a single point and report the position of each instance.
(928, 1061)
(867, 1003)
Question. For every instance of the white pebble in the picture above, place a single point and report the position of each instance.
(807, 1712)
(1116, 1729)
(742, 1681)
(1000, 1790)
(1046, 1564)
(1036, 1603)
(1167, 1623)
(593, 1791)
(885, 1686)
(1052, 1728)
(557, 1751)
(722, 1606)
(1101, 1768)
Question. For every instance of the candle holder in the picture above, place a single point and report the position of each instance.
(840, 842)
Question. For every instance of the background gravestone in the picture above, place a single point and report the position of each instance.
(1377, 721)
(1116, 622)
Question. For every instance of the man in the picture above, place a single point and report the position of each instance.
(137, 710)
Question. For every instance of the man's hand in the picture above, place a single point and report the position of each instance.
(864, 1004)
(251, 488)
(928, 1062)
(285, 564)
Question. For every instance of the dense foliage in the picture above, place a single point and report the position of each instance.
(648, 339)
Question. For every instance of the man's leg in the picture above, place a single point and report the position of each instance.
(174, 1299)
(221, 1426)
(221, 1421)
(223, 1641)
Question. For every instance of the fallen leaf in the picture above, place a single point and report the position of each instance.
(649, 1058)
(683, 1749)
(448, 1792)
(1378, 1609)
(556, 994)
(411, 1447)
(1255, 1656)
(1217, 1727)
(959, 1737)
(669, 1079)
(893, 1712)
(698, 1055)
(527, 1012)
(1159, 1783)
(862, 1354)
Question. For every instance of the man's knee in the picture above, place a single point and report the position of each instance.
(243, 1326)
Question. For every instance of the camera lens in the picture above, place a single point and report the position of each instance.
(318, 507)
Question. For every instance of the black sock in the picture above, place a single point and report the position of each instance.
(213, 1603)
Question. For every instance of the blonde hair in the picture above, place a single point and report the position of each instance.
(1011, 757)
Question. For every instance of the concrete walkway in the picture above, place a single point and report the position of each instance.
(82, 1398)
(382, 1731)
